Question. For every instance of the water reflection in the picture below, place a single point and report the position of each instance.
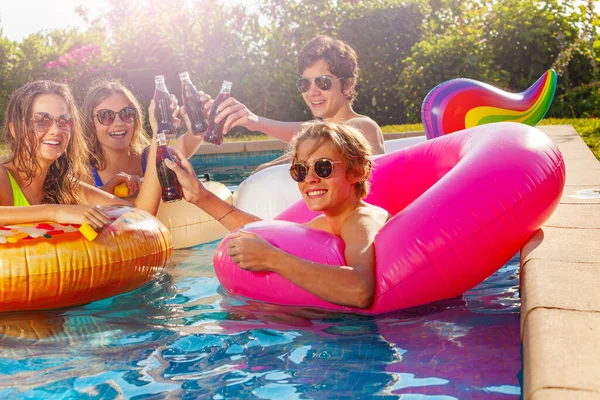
(182, 336)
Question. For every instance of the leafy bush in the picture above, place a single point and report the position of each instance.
(405, 48)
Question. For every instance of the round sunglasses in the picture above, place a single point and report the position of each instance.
(323, 168)
(42, 122)
(324, 82)
(106, 116)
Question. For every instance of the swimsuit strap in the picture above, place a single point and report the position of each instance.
(145, 159)
(97, 179)
(19, 199)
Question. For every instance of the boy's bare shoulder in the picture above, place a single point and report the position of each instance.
(370, 130)
(369, 215)
(362, 121)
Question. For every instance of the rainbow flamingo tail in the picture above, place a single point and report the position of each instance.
(458, 104)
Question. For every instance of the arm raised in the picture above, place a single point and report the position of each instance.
(195, 193)
(237, 114)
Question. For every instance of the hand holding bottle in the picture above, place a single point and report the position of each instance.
(175, 110)
(166, 108)
(193, 189)
(192, 101)
(236, 114)
(214, 132)
(171, 189)
(207, 103)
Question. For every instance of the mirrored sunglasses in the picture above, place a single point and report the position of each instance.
(324, 82)
(42, 122)
(106, 116)
(323, 168)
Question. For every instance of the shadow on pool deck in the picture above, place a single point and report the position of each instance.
(560, 277)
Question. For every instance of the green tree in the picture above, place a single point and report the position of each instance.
(275, 40)
(523, 38)
(383, 34)
(451, 48)
(578, 94)
(149, 38)
(405, 49)
(7, 55)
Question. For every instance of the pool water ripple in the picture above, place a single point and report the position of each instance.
(182, 336)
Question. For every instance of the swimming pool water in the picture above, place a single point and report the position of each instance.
(231, 169)
(183, 337)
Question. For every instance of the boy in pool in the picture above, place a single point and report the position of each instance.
(332, 165)
(329, 73)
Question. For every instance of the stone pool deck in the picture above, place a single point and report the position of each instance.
(560, 278)
(560, 282)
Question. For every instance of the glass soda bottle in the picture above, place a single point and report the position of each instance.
(214, 133)
(171, 188)
(163, 112)
(193, 104)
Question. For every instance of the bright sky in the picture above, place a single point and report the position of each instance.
(19, 18)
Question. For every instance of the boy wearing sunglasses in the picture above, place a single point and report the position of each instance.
(331, 164)
(329, 73)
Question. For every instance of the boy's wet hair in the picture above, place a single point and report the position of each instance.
(339, 56)
(352, 145)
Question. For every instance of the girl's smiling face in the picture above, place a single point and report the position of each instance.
(118, 135)
(54, 142)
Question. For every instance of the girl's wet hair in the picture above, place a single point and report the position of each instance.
(352, 145)
(97, 92)
(65, 173)
(339, 56)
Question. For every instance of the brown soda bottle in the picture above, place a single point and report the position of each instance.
(171, 188)
(163, 112)
(214, 133)
(193, 105)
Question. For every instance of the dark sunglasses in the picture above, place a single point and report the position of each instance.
(324, 82)
(106, 116)
(323, 168)
(42, 122)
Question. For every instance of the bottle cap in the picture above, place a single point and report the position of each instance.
(226, 85)
(161, 139)
(159, 78)
(184, 75)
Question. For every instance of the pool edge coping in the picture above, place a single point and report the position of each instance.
(560, 315)
(274, 144)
